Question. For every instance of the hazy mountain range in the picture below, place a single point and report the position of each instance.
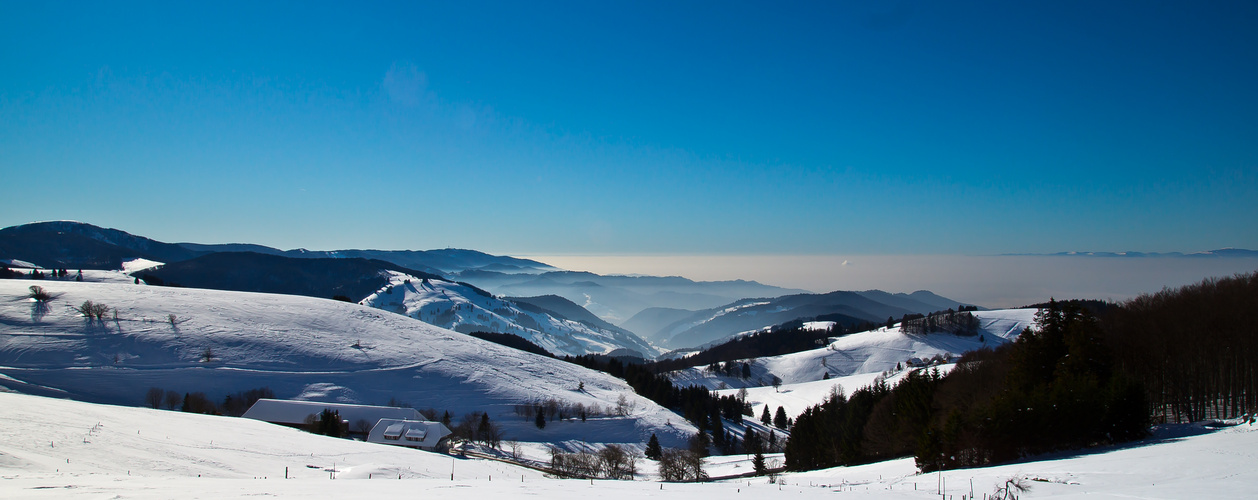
(566, 312)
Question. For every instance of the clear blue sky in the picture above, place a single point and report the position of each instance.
(639, 127)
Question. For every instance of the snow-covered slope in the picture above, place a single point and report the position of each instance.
(870, 352)
(463, 308)
(300, 347)
(48, 436)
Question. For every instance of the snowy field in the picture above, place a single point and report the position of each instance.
(854, 361)
(51, 448)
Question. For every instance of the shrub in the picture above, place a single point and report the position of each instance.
(39, 294)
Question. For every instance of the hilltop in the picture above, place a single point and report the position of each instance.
(300, 347)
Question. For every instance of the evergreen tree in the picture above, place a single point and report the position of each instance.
(779, 419)
(764, 416)
(757, 463)
(751, 441)
(484, 424)
(540, 420)
(653, 449)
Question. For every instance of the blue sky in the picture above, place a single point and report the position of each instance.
(666, 128)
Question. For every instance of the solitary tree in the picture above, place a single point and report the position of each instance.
(653, 449)
(757, 463)
(39, 294)
(153, 397)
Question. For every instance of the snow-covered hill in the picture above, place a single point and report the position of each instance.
(463, 308)
(716, 325)
(870, 352)
(300, 347)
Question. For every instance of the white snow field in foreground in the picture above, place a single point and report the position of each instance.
(51, 448)
(300, 347)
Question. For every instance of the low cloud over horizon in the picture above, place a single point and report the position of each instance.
(988, 281)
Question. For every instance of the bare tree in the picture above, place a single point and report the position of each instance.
(39, 294)
(86, 309)
(623, 406)
(172, 399)
(100, 310)
(153, 397)
(681, 465)
(617, 463)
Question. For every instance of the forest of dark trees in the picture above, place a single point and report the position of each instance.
(788, 338)
(1090, 374)
(513, 341)
(697, 404)
(954, 322)
(1195, 348)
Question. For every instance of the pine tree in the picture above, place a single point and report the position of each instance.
(540, 421)
(653, 450)
(764, 416)
(751, 441)
(779, 419)
(757, 463)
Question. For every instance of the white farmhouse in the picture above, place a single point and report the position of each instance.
(410, 433)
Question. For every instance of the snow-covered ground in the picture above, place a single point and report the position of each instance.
(795, 398)
(870, 352)
(300, 347)
(854, 361)
(52, 448)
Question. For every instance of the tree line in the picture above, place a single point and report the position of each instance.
(950, 321)
(1087, 374)
(233, 405)
(1054, 388)
(790, 337)
(1194, 348)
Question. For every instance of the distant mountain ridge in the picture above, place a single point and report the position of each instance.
(78, 245)
(352, 274)
(75, 245)
(1221, 252)
(845, 307)
(256, 272)
(616, 299)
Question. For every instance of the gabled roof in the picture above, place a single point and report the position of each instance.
(412, 433)
(289, 412)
